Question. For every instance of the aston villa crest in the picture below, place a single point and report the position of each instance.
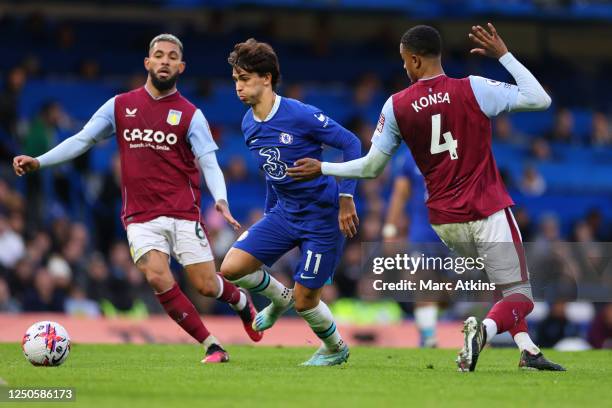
(174, 117)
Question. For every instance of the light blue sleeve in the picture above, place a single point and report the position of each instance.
(493, 97)
(102, 123)
(213, 176)
(101, 126)
(199, 135)
(387, 137)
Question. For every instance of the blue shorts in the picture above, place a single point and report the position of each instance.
(320, 242)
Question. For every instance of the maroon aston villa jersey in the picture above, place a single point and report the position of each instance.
(450, 139)
(158, 173)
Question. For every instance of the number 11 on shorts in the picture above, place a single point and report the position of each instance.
(317, 261)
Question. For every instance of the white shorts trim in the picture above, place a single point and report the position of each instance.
(184, 240)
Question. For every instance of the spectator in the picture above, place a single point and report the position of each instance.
(43, 129)
(10, 200)
(540, 149)
(107, 208)
(503, 131)
(294, 91)
(40, 137)
(362, 129)
(601, 135)
(77, 304)
(555, 327)
(367, 89)
(524, 223)
(60, 273)
(89, 69)
(9, 100)
(596, 221)
(22, 279)
(7, 303)
(600, 332)
(74, 252)
(12, 248)
(43, 297)
(38, 247)
(98, 279)
(563, 129)
(236, 170)
(532, 183)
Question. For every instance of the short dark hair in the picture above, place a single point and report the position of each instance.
(258, 57)
(423, 40)
(171, 38)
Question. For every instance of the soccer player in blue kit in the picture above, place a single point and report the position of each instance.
(409, 196)
(312, 215)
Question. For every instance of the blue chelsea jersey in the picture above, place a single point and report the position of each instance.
(294, 130)
(420, 229)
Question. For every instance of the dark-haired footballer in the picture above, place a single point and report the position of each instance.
(312, 215)
(446, 124)
(160, 135)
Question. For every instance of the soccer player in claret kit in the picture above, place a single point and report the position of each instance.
(312, 215)
(160, 135)
(446, 124)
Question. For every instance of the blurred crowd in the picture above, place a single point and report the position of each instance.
(63, 248)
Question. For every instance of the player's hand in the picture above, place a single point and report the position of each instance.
(347, 217)
(223, 208)
(305, 169)
(490, 43)
(25, 164)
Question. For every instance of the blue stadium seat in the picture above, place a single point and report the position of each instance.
(79, 98)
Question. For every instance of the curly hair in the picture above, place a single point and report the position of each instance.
(423, 40)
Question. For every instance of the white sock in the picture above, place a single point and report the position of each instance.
(524, 342)
(426, 317)
(262, 282)
(322, 324)
(241, 303)
(209, 341)
(491, 328)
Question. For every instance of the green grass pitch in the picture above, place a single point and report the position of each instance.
(172, 376)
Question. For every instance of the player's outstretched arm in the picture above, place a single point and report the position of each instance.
(67, 150)
(100, 126)
(213, 176)
(369, 166)
(531, 95)
(203, 147)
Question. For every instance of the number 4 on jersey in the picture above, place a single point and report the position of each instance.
(449, 144)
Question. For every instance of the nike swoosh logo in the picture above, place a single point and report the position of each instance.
(253, 141)
(306, 277)
(54, 360)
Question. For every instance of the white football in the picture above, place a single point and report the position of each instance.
(46, 344)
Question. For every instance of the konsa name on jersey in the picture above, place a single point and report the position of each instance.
(431, 99)
(149, 135)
